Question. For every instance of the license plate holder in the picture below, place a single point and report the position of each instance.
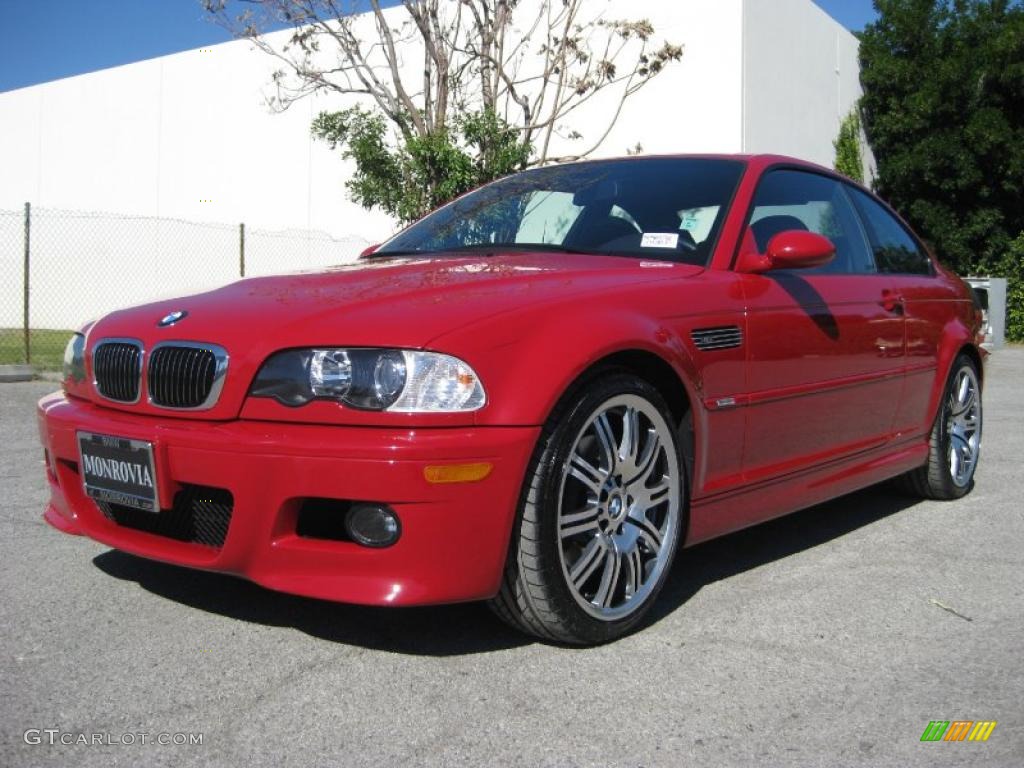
(118, 470)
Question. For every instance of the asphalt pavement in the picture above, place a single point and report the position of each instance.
(828, 638)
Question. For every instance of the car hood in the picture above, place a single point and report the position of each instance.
(388, 302)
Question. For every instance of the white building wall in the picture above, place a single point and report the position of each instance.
(189, 136)
(182, 136)
(695, 105)
(801, 77)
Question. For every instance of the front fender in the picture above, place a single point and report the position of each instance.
(528, 363)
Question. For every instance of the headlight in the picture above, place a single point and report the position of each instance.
(74, 360)
(371, 379)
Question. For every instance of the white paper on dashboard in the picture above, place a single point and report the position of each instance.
(659, 240)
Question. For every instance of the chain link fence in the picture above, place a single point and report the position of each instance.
(59, 268)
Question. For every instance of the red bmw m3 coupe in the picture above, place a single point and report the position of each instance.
(536, 395)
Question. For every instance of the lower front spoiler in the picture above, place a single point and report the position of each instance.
(454, 536)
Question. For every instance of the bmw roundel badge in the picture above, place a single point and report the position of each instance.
(172, 318)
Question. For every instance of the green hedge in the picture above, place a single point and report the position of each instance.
(1012, 268)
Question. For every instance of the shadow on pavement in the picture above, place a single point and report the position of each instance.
(765, 543)
(446, 630)
(470, 628)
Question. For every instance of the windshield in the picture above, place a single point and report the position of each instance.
(653, 208)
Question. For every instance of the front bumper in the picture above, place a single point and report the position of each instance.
(454, 536)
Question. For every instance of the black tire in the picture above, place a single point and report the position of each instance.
(535, 595)
(934, 479)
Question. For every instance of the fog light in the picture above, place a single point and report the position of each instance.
(373, 525)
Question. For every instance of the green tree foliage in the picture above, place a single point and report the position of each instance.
(1013, 269)
(847, 146)
(943, 109)
(418, 173)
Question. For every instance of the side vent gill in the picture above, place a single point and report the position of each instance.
(719, 337)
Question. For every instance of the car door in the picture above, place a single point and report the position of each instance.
(825, 348)
(925, 300)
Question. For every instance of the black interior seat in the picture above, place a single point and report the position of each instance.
(602, 232)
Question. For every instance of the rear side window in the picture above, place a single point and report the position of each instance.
(896, 252)
(788, 200)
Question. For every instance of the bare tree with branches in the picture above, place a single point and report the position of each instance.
(529, 64)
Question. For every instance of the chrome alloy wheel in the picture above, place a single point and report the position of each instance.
(963, 426)
(619, 507)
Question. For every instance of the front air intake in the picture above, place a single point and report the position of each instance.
(200, 515)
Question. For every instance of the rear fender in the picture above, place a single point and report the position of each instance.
(956, 336)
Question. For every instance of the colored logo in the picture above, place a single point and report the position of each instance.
(958, 730)
(172, 318)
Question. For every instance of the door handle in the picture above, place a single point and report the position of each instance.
(892, 301)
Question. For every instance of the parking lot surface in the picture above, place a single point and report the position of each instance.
(831, 637)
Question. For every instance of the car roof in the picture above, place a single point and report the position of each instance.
(758, 160)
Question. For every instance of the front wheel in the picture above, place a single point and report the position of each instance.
(600, 516)
(954, 445)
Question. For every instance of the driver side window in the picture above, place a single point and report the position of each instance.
(787, 200)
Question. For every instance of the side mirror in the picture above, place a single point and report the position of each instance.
(369, 250)
(792, 249)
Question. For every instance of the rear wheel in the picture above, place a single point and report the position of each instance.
(600, 516)
(955, 442)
